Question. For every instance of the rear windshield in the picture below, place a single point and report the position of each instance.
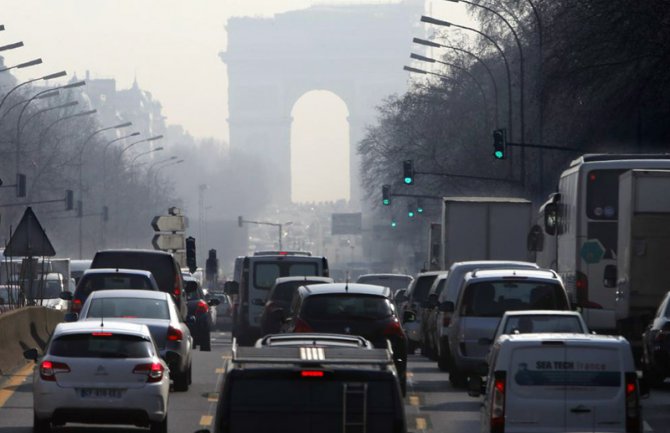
(422, 287)
(285, 291)
(542, 324)
(115, 281)
(265, 273)
(161, 266)
(394, 283)
(129, 308)
(345, 306)
(493, 298)
(44, 289)
(101, 346)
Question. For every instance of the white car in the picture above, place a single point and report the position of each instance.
(97, 372)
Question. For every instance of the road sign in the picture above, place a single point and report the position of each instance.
(29, 239)
(346, 223)
(169, 223)
(592, 251)
(168, 241)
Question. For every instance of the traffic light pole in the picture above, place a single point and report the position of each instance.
(263, 223)
(541, 146)
(32, 202)
(465, 176)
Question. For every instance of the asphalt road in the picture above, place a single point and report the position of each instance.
(431, 404)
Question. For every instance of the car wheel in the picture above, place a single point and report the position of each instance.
(403, 384)
(205, 343)
(190, 374)
(41, 425)
(457, 378)
(159, 426)
(442, 357)
(181, 380)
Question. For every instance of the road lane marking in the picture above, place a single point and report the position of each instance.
(646, 427)
(409, 374)
(226, 357)
(414, 400)
(206, 420)
(15, 380)
(213, 397)
(421, 423)
(220, 370)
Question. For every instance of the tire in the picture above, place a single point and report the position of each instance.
(158, 426)
(442, 357)
(41, 425)
(403, 384)
(190, 374)
(205, 342)
(457, 378)
(181, 380)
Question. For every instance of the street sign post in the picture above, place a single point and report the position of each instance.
(170, 234)
(168, 241)
(169, 223)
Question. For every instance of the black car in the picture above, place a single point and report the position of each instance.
(279, 301)
(200, 321)
(356, 309)
(656, 345)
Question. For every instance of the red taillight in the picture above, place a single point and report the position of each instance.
(49, 369)
(174, 334)
(101, 334)
(177, 286)
(633, 415)
(301, 326)
(498, 403)
(311, 373)
(582, 289)
(76, 306)
(153, 371)
(393, 328)
(202, 307)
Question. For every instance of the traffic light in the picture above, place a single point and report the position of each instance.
(105, 213)
(410, 211)
(239, 221)
(212, 267)
(190, 254)
(408, 171)
(386, 195)
(69, 199)
(20, 185)
(394, 223)
(419, 206)
(499, 143)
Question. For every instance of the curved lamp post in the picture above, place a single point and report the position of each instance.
(23, 65)
(45, 78)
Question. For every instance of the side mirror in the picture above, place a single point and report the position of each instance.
(610, 276)
(446, 307)
(213, 302)
(66, 296)
(409, 317)
(551, 218)
(31, 354)
(71, 317)
(475, 386)
(231, 288)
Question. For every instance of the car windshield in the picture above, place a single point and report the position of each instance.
(395, 282)
(265, 273)
(422, 287)
(129, 308)
(101, 345)
(493, 298)
(284, 291)
(542, 324)
(346, 306)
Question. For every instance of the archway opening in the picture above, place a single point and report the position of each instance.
(319, 148)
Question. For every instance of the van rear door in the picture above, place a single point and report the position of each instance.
(568, 385)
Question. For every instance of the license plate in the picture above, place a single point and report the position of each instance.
(100, 393)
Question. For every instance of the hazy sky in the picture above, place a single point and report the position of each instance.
(171, 46)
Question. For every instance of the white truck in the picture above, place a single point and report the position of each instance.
(484, 228)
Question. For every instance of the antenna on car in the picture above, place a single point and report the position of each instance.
(346, 284)
(102, 312)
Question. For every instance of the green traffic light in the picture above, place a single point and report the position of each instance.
(419, 210)
(386, 202)
(410, 214)
(408, 180)
(394, 224)
(498, 154)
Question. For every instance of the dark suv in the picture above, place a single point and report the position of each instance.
(162, 265)
(356, 309)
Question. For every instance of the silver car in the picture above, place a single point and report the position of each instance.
(100, 372)
(156, 310)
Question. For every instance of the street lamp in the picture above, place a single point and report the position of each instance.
(11, 46)
(145, 153)
(45, 78)
(157, 137)
(432, 44)
(23, 65)
(452, 65)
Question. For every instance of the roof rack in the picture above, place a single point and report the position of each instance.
(310, 355)
(307, 339)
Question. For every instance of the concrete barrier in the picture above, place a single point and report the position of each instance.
(22, 329)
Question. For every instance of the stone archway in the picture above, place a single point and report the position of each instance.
(354, 51)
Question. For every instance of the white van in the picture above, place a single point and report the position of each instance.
(560, 383)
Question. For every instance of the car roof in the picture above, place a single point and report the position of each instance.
(541, 313)
(128, 293)
(83, 326)
(349, 288)
(431, 273)
(281, 280)
(576, 337)
(136, 251)
(494, 274)
(140, 272)
(480, 264)
(385, 276)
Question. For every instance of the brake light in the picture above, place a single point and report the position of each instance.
(311, 373)
(582, 288)
(498, 403)
(153, 371)
(202, 307)
(76, 306)
(633, 415)
(393, 328)
(174, 334)
(101, 334)
(301, 326)
(48, 370)
(177, 286)
(283, 253)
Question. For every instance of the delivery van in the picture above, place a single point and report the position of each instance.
(561, 383)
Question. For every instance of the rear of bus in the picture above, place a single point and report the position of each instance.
(563, 383)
